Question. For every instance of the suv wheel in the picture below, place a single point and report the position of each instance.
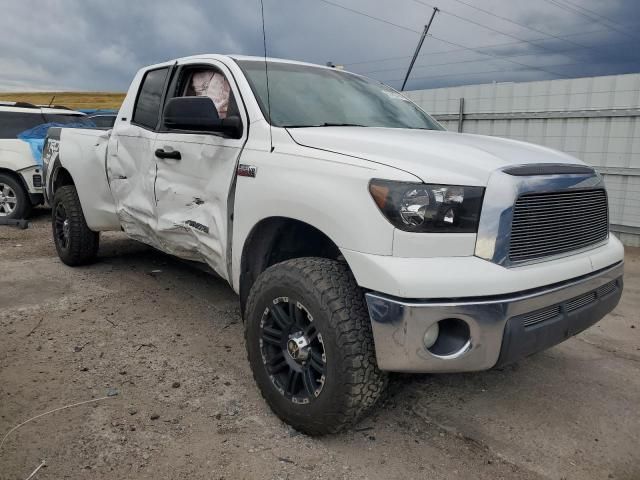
(14, 201)
(75, 243)
(310, 345)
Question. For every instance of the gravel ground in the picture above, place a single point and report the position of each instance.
(167, 340)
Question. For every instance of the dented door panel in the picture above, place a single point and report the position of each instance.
(191, 195)
(131, 169)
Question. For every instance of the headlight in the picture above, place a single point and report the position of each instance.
(418, 207)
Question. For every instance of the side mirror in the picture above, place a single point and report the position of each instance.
(199, 114)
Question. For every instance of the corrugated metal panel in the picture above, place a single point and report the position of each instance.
(608, 137)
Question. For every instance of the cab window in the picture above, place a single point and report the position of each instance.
(147, 109)
(212, 83)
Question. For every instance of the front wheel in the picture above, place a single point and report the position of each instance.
(310, 345)
(75, 243)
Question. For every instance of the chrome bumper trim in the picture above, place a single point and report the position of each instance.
(399, 325)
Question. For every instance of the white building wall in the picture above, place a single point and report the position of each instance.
(601, 125)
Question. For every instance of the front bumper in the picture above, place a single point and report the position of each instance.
(501, 329)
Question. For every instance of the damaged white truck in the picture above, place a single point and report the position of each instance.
(361, 237)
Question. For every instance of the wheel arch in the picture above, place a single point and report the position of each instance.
(17, 177)
(276, 239)
(60, 177)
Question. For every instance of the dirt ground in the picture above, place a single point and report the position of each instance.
(166, 340)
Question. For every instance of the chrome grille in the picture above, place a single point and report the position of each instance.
(607, 289)
(569, 306)
(541, 315)
(547, 224)
(580, 302)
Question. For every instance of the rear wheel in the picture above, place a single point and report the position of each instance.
(14, 200)
(75, 243)
(310, 345)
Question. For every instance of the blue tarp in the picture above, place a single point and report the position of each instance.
(35, 136)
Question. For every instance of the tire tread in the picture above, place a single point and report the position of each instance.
(83, 242)
(344, 306)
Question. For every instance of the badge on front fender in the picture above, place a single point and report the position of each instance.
(247, 170)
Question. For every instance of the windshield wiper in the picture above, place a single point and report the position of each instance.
(326, 124)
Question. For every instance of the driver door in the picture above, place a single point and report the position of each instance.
(195, 171)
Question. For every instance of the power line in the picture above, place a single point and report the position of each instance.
(595, 14)
(358, 12)
(595, 19)
(495, 45)
(487, 12)
(515, 55)
(428, 77)
(482, 25)
(497, 56)
(408, 29)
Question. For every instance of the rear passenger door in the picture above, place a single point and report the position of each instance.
(192, 192)
(131, 164)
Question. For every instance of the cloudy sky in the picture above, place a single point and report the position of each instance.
(98, 44)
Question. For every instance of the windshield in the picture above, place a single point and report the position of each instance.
(307, 96)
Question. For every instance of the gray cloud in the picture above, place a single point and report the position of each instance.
(98, 45)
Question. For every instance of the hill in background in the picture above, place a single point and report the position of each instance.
(74, 100)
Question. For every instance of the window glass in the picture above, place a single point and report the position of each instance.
(13, 123)
(66, 118)
(104, 121)
(213, 84)
(147, 107)
(307, 96)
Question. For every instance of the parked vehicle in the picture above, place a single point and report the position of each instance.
(20, 171)
(360, 236)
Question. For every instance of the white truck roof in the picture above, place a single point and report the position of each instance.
(215, 56)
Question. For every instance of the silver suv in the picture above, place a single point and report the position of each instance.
(20, 160)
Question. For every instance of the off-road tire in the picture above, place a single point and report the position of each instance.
(23, 205)
(80, 245)
(353, 381)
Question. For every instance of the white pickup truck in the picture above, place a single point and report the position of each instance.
(360, 236)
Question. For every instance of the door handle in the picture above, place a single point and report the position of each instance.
(174, 154)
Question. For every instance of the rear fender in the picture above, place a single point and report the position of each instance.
(81, 154)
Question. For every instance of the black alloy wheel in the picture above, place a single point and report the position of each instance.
(292, 350)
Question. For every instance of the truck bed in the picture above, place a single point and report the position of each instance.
(83, 152)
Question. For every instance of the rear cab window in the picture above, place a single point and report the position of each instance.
(146, 111)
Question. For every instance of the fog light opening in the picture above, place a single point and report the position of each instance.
(452, 338)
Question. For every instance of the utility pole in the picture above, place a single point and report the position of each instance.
(415, 55)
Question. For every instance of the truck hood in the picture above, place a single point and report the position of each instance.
(431, 155)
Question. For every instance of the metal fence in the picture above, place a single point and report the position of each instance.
(594, 119)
